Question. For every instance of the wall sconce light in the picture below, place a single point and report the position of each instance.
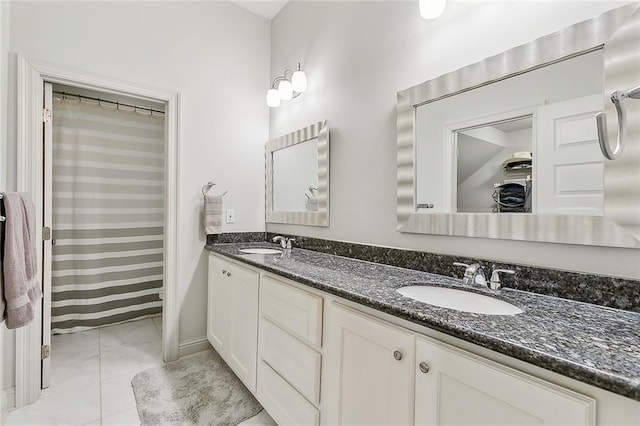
(431, 9)
(286, 87)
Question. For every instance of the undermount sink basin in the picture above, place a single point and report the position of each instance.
(460, 300)
(260, 251)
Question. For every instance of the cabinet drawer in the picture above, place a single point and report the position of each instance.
(220, 267)
(292, 309)
(296, 362)
(282, 402)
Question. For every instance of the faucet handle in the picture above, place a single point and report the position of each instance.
(473, 274)
(494, 282)
(289, 241)
(469, 272)
(280, 239)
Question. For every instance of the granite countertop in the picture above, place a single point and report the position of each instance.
(593, 344)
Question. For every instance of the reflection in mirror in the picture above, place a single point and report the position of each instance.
(507, 147)
(494, 165)
(546, 114)
(295, 177)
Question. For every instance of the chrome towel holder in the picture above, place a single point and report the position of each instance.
(616, 97)
(208, 186)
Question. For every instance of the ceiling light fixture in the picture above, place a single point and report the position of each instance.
(431, 9)
(288, 86)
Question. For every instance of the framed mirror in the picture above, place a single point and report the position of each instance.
(297, 177)
(507, 147)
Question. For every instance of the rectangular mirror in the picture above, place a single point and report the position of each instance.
(297, 177)
(508, 148)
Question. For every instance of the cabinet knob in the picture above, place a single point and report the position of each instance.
(397, 355)
(224, 272)
(424, 367)
(228, 274)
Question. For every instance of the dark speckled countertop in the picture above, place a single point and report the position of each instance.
(593, 344)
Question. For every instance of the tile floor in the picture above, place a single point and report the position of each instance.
(91, 376)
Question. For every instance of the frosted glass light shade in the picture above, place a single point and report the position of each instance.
(299, 81)
(285, 90)
(273, 98)
(431, 9)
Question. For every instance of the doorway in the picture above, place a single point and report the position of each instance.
(31, 78)
(104, 205)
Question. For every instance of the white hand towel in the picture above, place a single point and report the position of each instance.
(213, 214)
(20, 266)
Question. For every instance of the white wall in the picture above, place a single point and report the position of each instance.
(357, 56)
(216, 55)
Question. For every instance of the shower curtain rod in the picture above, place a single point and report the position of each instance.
(117, 104)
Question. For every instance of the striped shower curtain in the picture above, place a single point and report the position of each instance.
(108, 215)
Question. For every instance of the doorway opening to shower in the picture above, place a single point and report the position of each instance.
(103, 265)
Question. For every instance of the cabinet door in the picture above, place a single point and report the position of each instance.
(242, 346)
(454, 387)
(232, 317)
(370, 371)
(218, 309)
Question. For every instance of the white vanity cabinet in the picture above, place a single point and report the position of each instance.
(382, 374)
(312, 358)
(289, 352)
(232, 316)
(369, 371)
(454, 387)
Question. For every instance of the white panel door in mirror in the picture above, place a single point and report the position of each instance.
(570, 164)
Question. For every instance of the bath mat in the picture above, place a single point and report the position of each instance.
(199, 389)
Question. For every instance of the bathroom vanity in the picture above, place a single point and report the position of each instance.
(323, 339)
(327, 340)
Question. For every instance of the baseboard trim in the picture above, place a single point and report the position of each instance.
(193, 346)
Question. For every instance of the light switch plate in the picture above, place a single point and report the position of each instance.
(231, 217)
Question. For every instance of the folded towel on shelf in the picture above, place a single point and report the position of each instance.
(212, 214)
(21, 283)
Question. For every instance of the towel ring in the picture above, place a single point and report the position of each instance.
(617, 97)
(208, 186)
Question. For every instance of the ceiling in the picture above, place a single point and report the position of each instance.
(265, 8)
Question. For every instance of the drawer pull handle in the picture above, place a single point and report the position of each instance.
(424, 367)
(397, 355)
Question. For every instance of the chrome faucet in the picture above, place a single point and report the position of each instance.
(473, 274)
(285, 242)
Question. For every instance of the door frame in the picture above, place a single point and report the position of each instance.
(31, 75)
